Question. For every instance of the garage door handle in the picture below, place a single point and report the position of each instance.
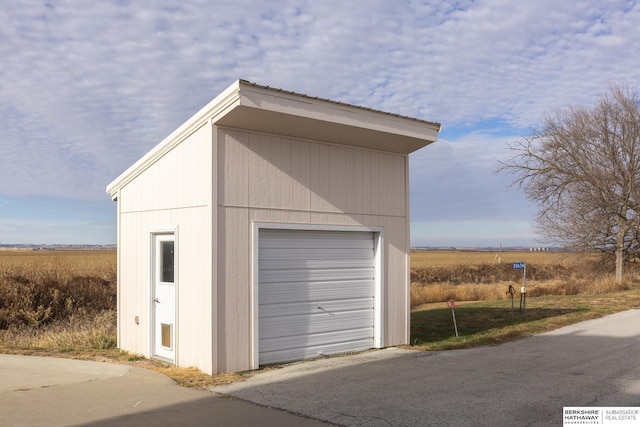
(156, 300)
(328, 312)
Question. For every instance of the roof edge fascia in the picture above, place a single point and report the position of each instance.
(228, 99)
(267, 98)
(268, 91)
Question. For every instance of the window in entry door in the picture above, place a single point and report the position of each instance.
(167, 262)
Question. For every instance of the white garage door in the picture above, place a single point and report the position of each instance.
(315, 293)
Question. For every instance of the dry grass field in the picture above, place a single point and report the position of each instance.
(444, 258)
(79, 263)
(486, 276)
(57, 299)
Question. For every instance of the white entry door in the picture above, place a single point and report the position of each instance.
(164, 297)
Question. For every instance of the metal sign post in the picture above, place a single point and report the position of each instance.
(523, 290)
(451, 305)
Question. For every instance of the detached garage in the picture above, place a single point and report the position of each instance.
(270, 227)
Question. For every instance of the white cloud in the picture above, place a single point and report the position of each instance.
(86, 88)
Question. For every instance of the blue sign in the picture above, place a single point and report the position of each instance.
(519, 265)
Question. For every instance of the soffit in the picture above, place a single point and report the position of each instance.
(296, 126)
(275, 111)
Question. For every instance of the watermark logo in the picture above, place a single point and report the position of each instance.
(605, 416)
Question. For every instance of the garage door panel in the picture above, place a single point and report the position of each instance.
(315, 275)
(316, 340)
(288, 355)
(314, 254)
(272, 327)
(271, 293)
(293, 308)
(317, 264)
(283, 239)
(319, 244)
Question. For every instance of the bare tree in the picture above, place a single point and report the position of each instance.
(582, 169)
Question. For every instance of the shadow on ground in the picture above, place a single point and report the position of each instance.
(478, 325)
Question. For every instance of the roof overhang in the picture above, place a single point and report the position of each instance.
(275, 111)
(249, 106)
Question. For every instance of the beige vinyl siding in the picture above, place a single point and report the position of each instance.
(396, 303)
(267, 171)
(234, 290)
(175, 192)
(133, 294)
(195, 295)
(181, 178)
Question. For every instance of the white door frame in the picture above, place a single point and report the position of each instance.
(158, 236)
(378, 233)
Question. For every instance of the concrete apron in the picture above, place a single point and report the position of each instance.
(43, 391)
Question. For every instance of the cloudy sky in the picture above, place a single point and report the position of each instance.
(86, 88)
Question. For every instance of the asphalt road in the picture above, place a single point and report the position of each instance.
(526, 382)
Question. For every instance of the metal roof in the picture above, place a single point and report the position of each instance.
(346, 104)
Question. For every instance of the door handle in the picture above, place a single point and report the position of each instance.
(156, 300)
